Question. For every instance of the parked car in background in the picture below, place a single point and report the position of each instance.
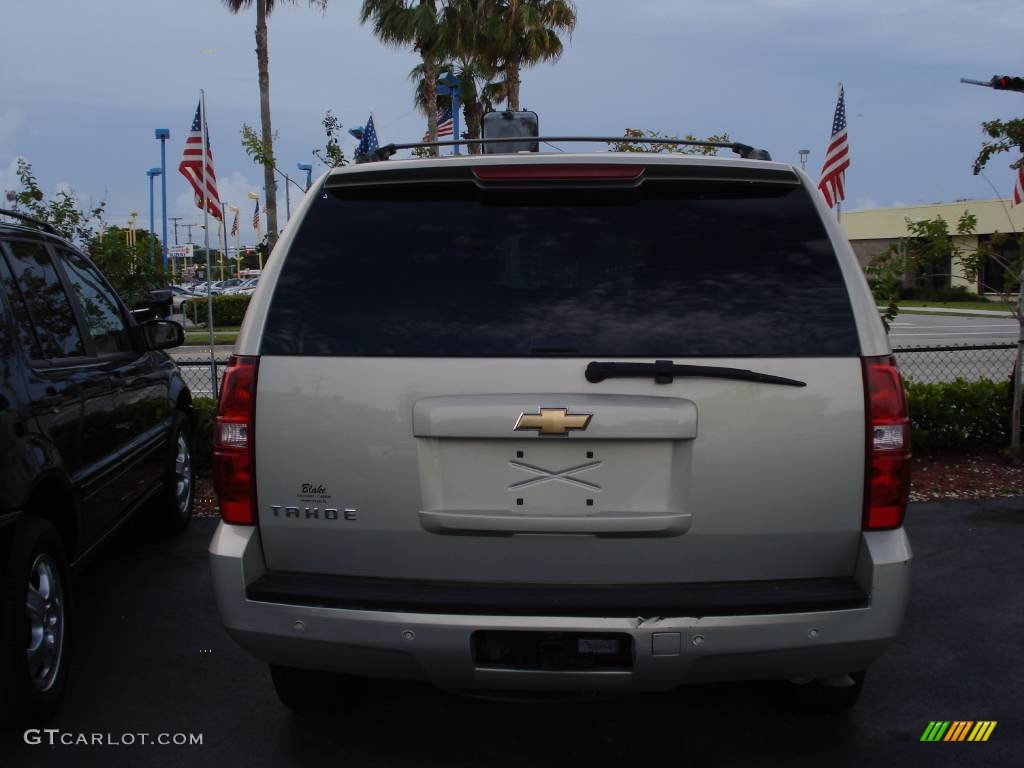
(95, 425)
(223, 285)
(180, 296)
(633, 423)
(245, 287)
(250, 288)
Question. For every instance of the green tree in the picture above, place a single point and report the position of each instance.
(63, 211)
(525, 33)
(640, 146)
(927, 252)
(474, 61)
(418, 24)
(333, 156)
(1006, 136)
(266, 139)
(132, 270)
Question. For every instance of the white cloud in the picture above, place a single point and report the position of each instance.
(233, 189)
(9, 178)
(10, 122)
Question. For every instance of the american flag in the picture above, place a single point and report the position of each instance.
(234, 225)
(1018, 189)
(368, 141)
(837, 158)
(191, 167)
(256, 218)
(445, 124)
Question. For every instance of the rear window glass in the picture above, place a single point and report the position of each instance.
(670, 269)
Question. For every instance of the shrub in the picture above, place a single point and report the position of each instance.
(959, 416)
(204, 409)
(227, 310)
(944, 295)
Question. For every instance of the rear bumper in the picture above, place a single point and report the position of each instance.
(668, 651)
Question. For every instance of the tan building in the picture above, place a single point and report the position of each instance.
(872, 231)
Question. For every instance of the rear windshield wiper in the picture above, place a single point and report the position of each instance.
(664, 371)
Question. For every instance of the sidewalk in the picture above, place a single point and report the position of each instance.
(953, 311)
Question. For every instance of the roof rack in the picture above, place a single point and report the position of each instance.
(44, 225)
(743, 150)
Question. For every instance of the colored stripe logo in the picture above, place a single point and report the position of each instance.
(958, 730)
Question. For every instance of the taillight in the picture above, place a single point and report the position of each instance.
(234, 467)
(559, 172)
(887, 485)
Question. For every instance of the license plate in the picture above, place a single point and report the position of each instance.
(597, 645)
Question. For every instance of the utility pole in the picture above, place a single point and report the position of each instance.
(190, 231)
(175, 219)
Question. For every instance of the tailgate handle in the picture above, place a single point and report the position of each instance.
(605, 524)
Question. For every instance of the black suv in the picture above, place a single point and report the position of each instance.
(94, 424)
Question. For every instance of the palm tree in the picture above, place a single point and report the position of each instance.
(475, 60)
(263, 9)
(478, 91)
(418, 24)
(526, 33)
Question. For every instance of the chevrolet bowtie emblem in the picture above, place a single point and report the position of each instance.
(552, 421)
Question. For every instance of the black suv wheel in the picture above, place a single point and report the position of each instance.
(172, 508)
(35, 637)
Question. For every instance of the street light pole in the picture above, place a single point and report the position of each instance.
(308, 168)
(151, 173)
(163, 134)
(449, 86)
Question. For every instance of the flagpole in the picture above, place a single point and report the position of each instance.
(206, 237)
(839, 203)
(220, 233)
(224, 229)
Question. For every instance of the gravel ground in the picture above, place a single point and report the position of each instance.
(933, 478)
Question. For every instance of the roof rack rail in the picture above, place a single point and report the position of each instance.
(743, 150)
(44, 225)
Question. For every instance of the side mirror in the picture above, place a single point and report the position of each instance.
(163, 334)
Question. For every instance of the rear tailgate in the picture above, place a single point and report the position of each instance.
(723, 480)
(423, 410)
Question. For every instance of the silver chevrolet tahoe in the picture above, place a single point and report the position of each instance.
(588, 422)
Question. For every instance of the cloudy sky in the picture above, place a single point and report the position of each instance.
(84, 84)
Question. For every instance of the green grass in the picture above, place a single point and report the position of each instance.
(996, 306)
(220, 336)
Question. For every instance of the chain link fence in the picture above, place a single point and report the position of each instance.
(930, 365)
(926, 365)
(197, 374)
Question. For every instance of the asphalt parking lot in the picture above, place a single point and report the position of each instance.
(151, 657)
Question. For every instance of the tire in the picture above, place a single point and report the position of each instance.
(36, 573)
(172, 508)
(818, 696)
(305, 690)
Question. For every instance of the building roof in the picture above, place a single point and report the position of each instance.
(879, 223)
